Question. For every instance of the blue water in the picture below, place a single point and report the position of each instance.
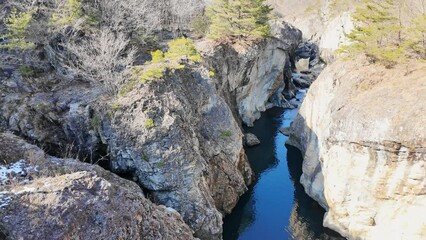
(276, 206)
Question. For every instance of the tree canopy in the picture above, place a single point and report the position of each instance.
(17, 25)
(239, 18)
(381, 36)
(375, 33)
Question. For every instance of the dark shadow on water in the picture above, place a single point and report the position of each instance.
(261, 159)
(275, 206)
(307, 215)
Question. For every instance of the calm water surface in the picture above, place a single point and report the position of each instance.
(276, 206)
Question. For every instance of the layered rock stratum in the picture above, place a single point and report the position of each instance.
(362, 130)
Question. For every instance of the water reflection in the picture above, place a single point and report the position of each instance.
(276, 206)
(306, 216)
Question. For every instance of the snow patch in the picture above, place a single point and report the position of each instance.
(4, 199)
(16, 169)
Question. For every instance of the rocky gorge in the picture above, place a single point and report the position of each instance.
(198, 170)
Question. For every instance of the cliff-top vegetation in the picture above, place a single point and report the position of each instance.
(384, 35)
(239, 18)
(101, 41)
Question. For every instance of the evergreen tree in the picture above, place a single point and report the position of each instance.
(17, 25)
(239, 18)
(67, 13)
(416, 41)
(377, 32)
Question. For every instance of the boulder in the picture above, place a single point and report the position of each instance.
(251, 140)
(301, 83)
(302, 65)
(55, 198)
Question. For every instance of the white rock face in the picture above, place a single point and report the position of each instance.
(321, 21)
(302, 65)
(362, 130)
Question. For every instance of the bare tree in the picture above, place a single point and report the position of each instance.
(101, 59)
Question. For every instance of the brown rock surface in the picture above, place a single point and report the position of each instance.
(67, 199)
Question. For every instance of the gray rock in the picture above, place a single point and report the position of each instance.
(301, 83)
(251, 140)
(253, 75)
(67, 199)
(286, 131)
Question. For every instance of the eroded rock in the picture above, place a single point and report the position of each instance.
(362, 130)
(249, 75)
(67, 199)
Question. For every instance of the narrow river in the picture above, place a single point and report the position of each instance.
(276, 206)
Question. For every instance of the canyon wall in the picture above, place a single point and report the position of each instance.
(250, 75)
(177, 136)
(362, 130)
(324, 22)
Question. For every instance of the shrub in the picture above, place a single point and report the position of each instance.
(157, 56)
(26, 71)
(17, 26)
(149, 123)
(152, 73)
(211, 72)
(182, 48)
(178, 49)
(416, 41)
(129, 86)
(115, 106)
(225, 134)
(375, 33)
(200, 25)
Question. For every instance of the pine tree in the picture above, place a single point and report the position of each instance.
(377, 32)
(416, 42)
(67, 13)
(238, 18)
(17, 25)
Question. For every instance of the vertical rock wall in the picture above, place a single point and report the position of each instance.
(362, 132)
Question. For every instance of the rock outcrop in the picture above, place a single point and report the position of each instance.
(362, 130)
(192, 157)
(178, 137)
(55, 198)
(249, 75)
(324, 22)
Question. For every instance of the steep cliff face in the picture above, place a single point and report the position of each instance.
(251, 75)
(192, 157)
(362, 130)
(177, 136)
(43, 197)
(324, 22)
